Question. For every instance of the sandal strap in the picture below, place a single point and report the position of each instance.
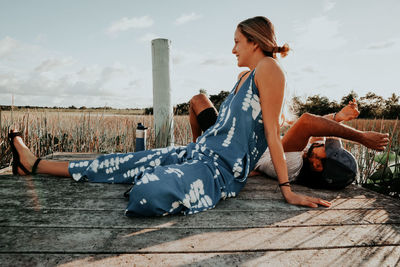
(12, 135)
(22, 167)
(35, 165)
(16, 163)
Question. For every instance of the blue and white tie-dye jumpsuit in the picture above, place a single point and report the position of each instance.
(190, 178)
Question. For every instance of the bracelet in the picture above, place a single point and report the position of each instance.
(284, 184)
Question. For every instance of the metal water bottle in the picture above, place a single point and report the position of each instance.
(140, 137)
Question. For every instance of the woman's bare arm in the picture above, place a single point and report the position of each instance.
(270, 81)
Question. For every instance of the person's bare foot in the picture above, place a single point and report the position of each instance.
(349, 112)
(375, 140)
(26, 157)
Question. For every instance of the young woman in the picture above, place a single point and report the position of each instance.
(195, 177)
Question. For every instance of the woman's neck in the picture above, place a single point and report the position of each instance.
(257, 57)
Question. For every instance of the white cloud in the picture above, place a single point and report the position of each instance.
(125, 24)
(7, 80)
(7, 46)
(19, 57)
(117, 84)
(53, 63)
(328, 5)
(319, 33)
(381, 45)
(113, 74)
(37, 76)
(388, 47)
(88, 73)
(185, 18)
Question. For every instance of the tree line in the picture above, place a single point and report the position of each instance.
(72, 107)
(370, 106)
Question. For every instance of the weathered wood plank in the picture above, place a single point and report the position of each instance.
(116, 191)
(258, 188)
(211, 219)
(359, 256)
(36, 240)
(231, 204)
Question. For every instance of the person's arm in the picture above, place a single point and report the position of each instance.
(270, 81)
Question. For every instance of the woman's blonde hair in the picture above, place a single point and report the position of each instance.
(260, 30)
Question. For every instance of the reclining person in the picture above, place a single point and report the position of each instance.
(311, 159)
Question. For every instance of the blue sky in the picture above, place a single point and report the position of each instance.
(96, 53)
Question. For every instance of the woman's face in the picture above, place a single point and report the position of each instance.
(315, 159)
(243, 49)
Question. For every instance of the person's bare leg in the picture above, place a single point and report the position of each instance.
(347, 113)
(194, 124)
(309, 125)
(27, 159)
(198, 103)
(57, 168)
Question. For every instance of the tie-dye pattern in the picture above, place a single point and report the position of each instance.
(191, 178)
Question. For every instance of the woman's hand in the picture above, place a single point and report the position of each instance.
(301, 200)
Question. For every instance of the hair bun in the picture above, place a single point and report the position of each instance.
(283, 50)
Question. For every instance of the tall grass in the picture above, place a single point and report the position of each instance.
(366, 157)
(379, 171)
(48, 132)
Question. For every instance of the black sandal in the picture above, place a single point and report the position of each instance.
(16, 162)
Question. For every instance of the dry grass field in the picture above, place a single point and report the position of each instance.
(48, 132)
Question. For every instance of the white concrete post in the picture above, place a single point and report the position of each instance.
(162, 104)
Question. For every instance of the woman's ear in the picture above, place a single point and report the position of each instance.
(255, 46)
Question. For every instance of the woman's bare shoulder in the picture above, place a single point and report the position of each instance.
(267, 69)
(269, 64)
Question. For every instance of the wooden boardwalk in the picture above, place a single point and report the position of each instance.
(48, 221)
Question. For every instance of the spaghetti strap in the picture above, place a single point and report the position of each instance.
(243, 75)
(238, 82)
